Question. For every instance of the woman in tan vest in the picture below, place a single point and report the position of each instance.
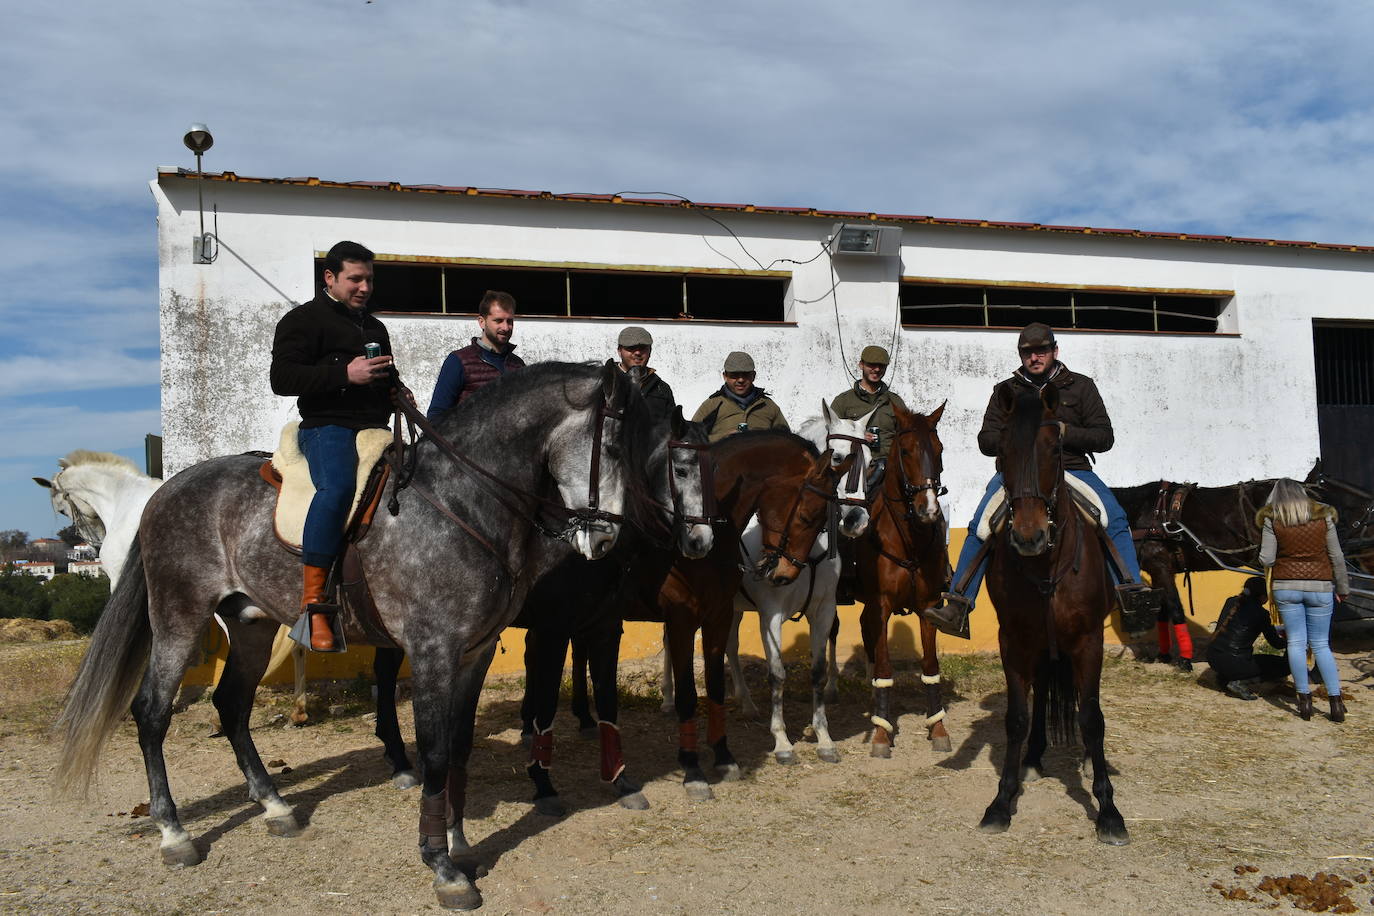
(1298, 539)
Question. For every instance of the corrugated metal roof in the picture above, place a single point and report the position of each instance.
(619, 199)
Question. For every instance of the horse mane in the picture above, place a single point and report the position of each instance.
(1026, 412)
(751, 436)
(83, 456)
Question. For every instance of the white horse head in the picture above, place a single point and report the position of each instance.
(103, 494)
(846, 437)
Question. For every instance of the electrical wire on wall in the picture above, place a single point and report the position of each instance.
(830, 259)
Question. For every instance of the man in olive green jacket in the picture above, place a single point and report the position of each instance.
(739, 404)
(871, 391)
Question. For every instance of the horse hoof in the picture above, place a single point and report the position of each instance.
(941, 744)
(181, 855)
(1113, 834)
(880, 750)
(635, 801)
(459, 895)
(994, 823)
(405, 779)
(1031, 774)
(828, 754)
(698, 791)
(550, 806)
(786, 758)
(729, 773)
(284, 825)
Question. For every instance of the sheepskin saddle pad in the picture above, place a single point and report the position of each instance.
(1082, 493)
(297, 489)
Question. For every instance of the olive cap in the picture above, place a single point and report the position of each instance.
(1036, 334)
(738, 361)
(634, 337)
(874, 356)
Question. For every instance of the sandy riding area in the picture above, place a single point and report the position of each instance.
(1207, 783)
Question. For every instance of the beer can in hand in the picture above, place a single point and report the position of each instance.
(372, 350)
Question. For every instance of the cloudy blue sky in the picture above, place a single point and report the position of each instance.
(1245, 118)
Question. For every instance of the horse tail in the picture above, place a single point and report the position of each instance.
(1062, 697)
(107, 679)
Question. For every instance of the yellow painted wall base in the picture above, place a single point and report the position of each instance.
(643, 640)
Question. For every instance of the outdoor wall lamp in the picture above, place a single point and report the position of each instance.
(205, 246)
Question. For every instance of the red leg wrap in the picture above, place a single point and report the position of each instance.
(687, 735)
(1185, 642)
(1162, 628)
(715, 721)
(612, 760)
(541, 749)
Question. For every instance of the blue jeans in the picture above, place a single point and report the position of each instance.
(332, 454)
(1307, 623)
(1118, 530)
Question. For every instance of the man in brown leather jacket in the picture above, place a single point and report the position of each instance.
(1087, 430)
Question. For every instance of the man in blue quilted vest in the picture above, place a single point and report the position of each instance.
(482, 361)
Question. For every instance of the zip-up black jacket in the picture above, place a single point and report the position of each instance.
(313, 346)
(1241, 622)
(1088, 429)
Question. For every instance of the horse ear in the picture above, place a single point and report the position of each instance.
(822, 464)
(611, 382)
(827, 414)
(1049, 396)
(864, 420)
(934, 419)
(677, 426)
(709, 421)
(43, 482)
(1006, 398)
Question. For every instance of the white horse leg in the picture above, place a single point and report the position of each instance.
(822, 616)
(665, 685)
(770, 629)
(743, 700)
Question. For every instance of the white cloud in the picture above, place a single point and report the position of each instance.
(49, 432)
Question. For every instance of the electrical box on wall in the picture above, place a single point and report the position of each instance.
(865, 239)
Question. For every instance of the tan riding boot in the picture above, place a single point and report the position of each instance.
(321, 636)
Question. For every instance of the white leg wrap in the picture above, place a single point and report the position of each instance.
(611, 724)
(882, 682)
(938, 717)
(881, 723)
(930, 679)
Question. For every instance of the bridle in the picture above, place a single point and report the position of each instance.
(707, 467)
(854, 480)
(772, 553)
(930, 469)
(80, 519)
(1028, 486)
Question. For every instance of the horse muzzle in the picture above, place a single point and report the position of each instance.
(853, 521)
(595, 541)
(778, 570)
(1031, 542)
(695, 542)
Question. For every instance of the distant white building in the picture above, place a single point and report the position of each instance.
(37, 568)
(89, 568)
(82, 552)
(1219, 358)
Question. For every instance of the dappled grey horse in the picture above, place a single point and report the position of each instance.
(448, 573)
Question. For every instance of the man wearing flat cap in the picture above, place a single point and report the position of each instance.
(739, 404)
(634, 346)
(871, 393)
(1087, 430)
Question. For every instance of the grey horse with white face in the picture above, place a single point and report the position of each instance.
(447, 573)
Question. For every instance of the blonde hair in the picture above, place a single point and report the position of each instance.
(1290, 503)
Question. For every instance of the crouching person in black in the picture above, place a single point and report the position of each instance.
(1232, 650)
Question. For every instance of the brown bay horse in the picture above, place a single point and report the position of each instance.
(903, 564)
(781, 478)
(1049, 581)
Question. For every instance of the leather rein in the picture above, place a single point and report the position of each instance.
(907, 502)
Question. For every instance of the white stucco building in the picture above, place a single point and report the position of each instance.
(1203, 347)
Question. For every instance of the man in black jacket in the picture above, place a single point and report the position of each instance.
(634, 347)
(318, 356)
(1087, 429)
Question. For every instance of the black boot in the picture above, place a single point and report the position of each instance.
(1241, 689)
(1337, 708)
(950, 615)
(1305, 706)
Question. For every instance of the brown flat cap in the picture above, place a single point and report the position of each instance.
(1036, 334)
(738, 361)
(874, 356)
(634, 337)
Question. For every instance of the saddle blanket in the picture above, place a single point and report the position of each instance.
(983, 526)
(297, 489)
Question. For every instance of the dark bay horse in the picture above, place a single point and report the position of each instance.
(561, 436)
(1049, 581)
(780, 477)
(903, 563)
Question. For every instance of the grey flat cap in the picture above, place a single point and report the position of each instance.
(634, 337)
(739, 361)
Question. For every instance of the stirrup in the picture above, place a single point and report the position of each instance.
(1140, 606)
(300, 632)
(950, 616)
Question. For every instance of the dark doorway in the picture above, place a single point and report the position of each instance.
(1344, 357)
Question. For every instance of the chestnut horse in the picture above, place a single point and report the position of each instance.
(772, 473)
(1048, 580)
(903, 564)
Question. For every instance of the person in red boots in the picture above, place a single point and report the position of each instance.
(319, 357)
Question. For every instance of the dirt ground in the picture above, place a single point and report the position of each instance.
(1206, 782)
